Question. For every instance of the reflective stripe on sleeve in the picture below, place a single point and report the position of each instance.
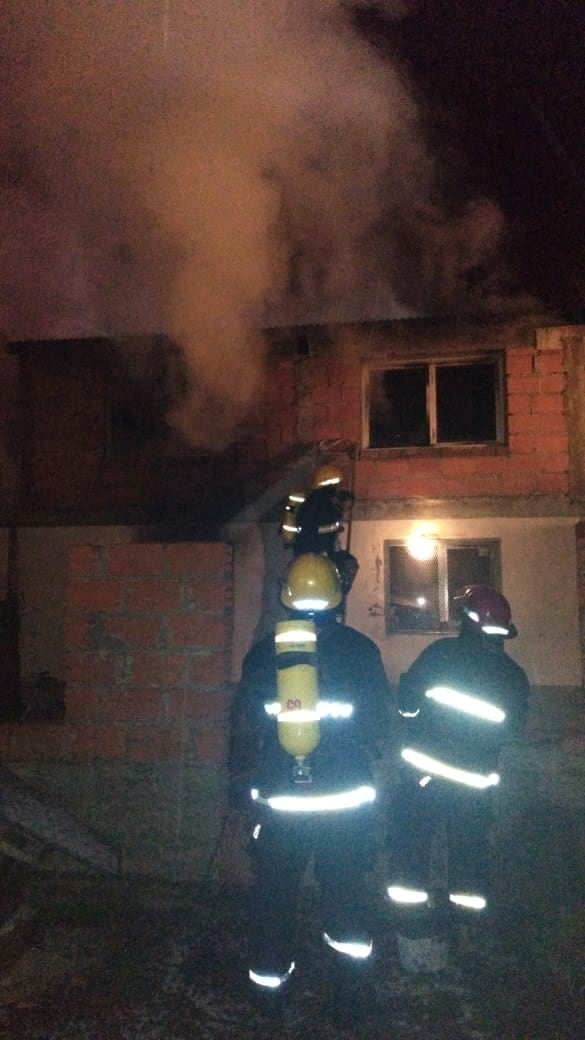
(437, 768)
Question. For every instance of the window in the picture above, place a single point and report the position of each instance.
(451, 402)
(147, 379)
(420, 587)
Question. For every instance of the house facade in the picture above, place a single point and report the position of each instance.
(478, 455)
(464, 445)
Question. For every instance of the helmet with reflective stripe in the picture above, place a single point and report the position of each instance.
(487, 611)
(327, 476)
(312, 584)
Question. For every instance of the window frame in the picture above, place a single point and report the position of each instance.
(495, 358)
(447, 625)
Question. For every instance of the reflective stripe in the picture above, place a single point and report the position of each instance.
(296, 635)
(437, 768)
(270, 981)
(329, 528)
(290, 529)
(352, 799)
(334, 709)
(357, 950)
(310, 604)
(324, 710)
(425, 781)
(256, 831)
(468, 901)
(465, 703)
(495, 630)
(298, 715)
(400, 894)
(409, 714)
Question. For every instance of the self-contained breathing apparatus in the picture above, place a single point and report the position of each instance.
(312, 586)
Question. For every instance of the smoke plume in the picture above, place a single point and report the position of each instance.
(203, 167)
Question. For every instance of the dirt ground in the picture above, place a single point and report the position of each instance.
(97, 960)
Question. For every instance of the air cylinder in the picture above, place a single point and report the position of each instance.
(297, 685)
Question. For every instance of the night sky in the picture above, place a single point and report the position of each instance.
(206, 168)
(502, 86)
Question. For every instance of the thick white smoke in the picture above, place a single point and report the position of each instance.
(198, 167)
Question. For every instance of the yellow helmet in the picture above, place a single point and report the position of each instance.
(327, 476)
(312, 584)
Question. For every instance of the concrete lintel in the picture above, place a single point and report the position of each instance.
(554, 337)
(541, 506)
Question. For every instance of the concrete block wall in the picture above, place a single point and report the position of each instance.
(148, 637)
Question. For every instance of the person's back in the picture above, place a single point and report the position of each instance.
(317, 801)
(354, 709)
(461, 700)
(469, 667)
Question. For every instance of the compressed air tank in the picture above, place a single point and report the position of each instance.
(297, 684)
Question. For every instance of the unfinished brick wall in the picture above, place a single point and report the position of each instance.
(148, 633)
(327, 392)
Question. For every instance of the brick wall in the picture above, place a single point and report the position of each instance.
(327, 392)
(305, 399)
(148, 632)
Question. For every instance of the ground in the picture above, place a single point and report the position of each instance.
(92, 959)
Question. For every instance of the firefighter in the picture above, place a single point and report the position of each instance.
(308, 722)
(319, 518)
(288, 529)
(461, 699)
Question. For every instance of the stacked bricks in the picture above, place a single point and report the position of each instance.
(314, 399)
(148, 631)
(535, 460)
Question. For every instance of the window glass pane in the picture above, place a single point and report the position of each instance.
(468, 565)
(466, 402)
(421, 593)
(398, 407)
(414, 592)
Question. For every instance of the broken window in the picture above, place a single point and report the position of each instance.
(423, 577)
(455, 402)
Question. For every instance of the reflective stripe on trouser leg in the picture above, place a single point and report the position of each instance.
(468, 900)
(343, 854)
(268, 981)
(279, 856)
(407, 895)
(356, 949)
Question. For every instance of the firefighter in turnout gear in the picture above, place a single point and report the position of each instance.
(309, 719)
(461, 700)
(313, 522)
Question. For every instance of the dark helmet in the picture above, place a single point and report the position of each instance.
(485, 610)
(348, 566)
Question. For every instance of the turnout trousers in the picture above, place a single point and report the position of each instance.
(341, 843)
(459, 816)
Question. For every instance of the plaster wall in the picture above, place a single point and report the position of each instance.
(539, 576)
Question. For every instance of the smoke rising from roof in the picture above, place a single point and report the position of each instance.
(201, 167)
